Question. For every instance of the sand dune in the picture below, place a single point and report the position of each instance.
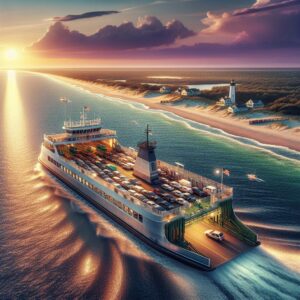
(289, 138)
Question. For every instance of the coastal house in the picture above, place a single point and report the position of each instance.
(235, 109)
(178, 91)
(254, 104)
(231, 98)
(225, 101)
(190, 92)
(165, 90)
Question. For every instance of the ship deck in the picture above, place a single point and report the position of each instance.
(166, 202)
(218, 252)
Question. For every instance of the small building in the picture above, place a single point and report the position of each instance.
(190, 92)
(225, 101)
(254, 104)
(235, 109)
(178, 91)
(165, 90)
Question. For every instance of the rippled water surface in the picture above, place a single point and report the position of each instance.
(54, 244)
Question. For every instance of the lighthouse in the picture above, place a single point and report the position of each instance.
(232, 90)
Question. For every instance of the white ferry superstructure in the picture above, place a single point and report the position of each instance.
(139, 191)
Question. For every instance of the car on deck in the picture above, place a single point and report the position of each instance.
(215, 235)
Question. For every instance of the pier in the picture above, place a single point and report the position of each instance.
(267, 120)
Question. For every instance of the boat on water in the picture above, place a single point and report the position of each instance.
(165, 205)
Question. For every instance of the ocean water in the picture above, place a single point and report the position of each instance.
(54, 244)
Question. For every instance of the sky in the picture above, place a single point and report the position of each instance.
(138, 33)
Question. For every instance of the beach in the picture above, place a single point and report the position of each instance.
(271, 135)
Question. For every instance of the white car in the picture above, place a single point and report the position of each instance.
(167, 187)
(214, 234)
(175, 184)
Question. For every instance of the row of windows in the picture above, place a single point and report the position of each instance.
(54, 162)
(83, 131)
(117, 203)
(74, 138)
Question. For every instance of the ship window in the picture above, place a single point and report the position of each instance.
(141, 218)
(135, 214)
(153, 166)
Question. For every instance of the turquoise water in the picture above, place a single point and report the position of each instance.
(54, 243)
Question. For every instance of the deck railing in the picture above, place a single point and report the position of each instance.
(124, 194)
(82, 123)
(222, 191)
(65, 137)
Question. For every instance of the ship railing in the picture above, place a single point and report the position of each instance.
(129, 151)
(124, 194)
(55, 137)
(82, 123)
(144, 144)
(108, 132)
(222, 191)
(65, 137)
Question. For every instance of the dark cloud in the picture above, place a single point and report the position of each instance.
(148, 32)
(267, 7)
(87, 15)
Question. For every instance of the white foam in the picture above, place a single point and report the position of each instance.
(247, 142)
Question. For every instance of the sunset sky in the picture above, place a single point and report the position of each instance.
(204, 33)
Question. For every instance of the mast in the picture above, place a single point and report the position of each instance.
(83, 115)
(147, 134)
(66, 101)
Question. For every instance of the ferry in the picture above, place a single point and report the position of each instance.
(165, 205)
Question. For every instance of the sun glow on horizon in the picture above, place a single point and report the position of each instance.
(11, 54)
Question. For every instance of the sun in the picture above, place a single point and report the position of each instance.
(11, 54)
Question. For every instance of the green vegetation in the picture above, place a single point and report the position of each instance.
(279, 89)
(101, 148)
(198, 206)
(285, 100)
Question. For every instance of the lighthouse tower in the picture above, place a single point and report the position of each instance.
(232, 90)
(145, 165)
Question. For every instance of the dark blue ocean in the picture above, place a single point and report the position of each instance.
(54, 245)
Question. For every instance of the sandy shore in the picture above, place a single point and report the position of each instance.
(289, 138)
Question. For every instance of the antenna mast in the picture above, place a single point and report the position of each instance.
(147, 134)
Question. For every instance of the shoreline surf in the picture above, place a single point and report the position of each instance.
(230, 126)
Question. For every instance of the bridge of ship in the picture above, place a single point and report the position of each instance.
(67, 139)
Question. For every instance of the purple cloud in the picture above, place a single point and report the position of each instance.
(274, 28)
(87, 15)
(149, 32)
(266, 7)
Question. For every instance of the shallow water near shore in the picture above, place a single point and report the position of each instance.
(55, 244)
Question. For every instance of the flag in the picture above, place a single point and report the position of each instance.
(86, 108)
(226, 172)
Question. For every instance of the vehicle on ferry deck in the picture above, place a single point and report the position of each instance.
(214, 234)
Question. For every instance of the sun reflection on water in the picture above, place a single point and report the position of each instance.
(15, 127)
